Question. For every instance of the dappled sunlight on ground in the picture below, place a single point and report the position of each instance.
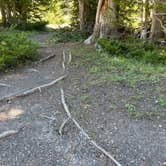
(11, 114)
(54, 26)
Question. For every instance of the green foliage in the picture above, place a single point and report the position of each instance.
(119, 68)
(130, 75)
(132, 112)
(19, 12)
(15, 49)
(68, 34)
(134, 48)
(35, 26)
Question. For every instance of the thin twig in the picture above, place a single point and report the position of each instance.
(47, 58)
(63, 62)
(63, 125)
(33, 70)
(2, 84)
(64, 56)
(8, 133)
(70, 58)
(30, 91)
(47, 117)
(83, 132)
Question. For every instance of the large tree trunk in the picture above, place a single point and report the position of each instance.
(106, 21)
(157, 28)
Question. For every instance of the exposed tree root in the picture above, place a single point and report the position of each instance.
(30, 91)
(63, 125)
(63, 62)
(47, 58)
(70, 58)
(82, 130)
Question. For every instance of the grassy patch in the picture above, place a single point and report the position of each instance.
(68, 35)
(33, 26)
(142, 81)
(134, 48)
(15, 49)
(137, 114)
(107, 68)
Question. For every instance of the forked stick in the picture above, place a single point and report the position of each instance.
(83, 132)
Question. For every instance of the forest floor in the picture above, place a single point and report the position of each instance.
(110, 111)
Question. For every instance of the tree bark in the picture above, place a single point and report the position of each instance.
(156, 29)
(3, 13)
(106, 21)
(81, 14)
(147, 15)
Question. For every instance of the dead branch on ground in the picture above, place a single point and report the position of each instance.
(30, 91)
(65, 106)
(8, 133)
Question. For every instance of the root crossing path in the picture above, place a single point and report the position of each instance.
(31, 113)
(32, 116)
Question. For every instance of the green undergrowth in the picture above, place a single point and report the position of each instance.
(146, 98)
(138, 49)
(64, 35)
(110, 68)
(33, 26)
(135, 113)
(15, 49)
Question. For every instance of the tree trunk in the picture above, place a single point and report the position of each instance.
(147, 15)
(3, 13)
(106, 21)
(8, 15)
(87, 12)
(81, 14)
(156, 29)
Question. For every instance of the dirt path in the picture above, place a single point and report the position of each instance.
(38, 116)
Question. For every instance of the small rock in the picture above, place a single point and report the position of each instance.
(147, 162)
(164, 163)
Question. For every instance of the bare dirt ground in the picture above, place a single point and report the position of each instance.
(39, 116)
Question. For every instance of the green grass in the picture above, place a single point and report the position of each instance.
(104, 69)
(68, 35)
(134, 48)
(107, 68)
(16, 48)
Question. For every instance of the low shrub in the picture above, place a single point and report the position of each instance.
(134, 48)
(15, 49)
(68, 34)
(35, 26)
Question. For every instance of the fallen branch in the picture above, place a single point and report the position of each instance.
(1, 84)
(8, 133)
(30, 91)
(63, 62)
(82, 130)
(47, 117)
(47, 58)
(70, 58)
(63, 125)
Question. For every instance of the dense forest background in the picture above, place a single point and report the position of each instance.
(103, 60)
(108, 23)
(113, 18)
